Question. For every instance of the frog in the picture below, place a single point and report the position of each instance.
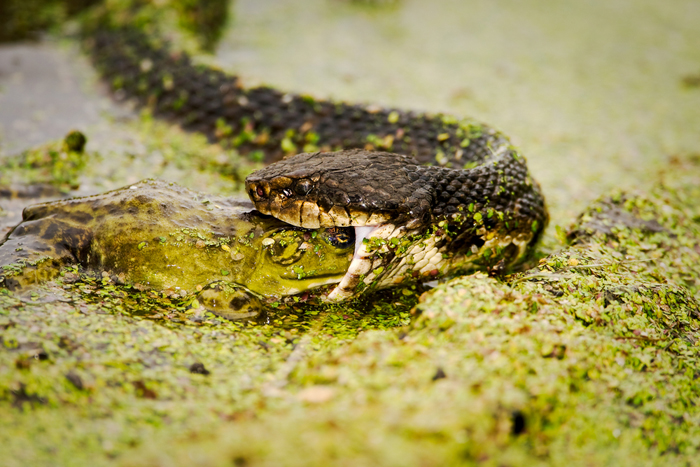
(157, 235)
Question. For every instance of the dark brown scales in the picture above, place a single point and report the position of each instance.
(261, 118)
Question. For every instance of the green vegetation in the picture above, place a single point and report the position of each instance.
(590, 358)
(25, 19)
(58, 164)
(203, 20)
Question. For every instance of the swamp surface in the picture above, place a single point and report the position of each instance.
(592, 358)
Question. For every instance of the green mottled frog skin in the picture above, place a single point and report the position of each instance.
(160, 236)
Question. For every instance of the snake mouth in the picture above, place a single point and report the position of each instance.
(308, 214)
(412, 222)
(345, 283)
(362, 232)
(364, 261)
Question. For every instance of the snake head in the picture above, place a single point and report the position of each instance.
(339, 189)
(292, 199)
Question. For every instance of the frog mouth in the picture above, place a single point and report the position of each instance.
(364, 266)
(312, 283)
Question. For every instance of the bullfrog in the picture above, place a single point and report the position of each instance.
(161, 236)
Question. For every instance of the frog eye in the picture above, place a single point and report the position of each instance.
(340, 237)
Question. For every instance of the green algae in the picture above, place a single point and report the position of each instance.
(589, 359)
(59, 164)
(16, 268)
(21, 20)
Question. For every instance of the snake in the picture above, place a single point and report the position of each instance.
(429, 195)
(412, 221)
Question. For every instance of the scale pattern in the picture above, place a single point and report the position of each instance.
(274, 123)
(358, 187)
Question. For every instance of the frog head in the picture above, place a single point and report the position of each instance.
(293, 260)
(289, 261)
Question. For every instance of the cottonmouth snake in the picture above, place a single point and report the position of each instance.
(451, 195)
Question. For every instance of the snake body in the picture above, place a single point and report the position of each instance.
(429, 195)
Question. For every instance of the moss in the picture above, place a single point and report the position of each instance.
(59, 164)
(589, 358)
(205, 20)
(24, 19)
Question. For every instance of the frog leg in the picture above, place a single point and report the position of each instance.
(229, 300)
(36, 250)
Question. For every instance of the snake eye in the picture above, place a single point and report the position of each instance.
(340, 237)
(260, 192)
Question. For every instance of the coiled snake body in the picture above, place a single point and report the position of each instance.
(428, 195)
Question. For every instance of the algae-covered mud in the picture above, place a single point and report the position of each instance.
(588, 358)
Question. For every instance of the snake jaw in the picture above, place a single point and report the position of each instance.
(363, 261)
(362, 232)
(310, 214)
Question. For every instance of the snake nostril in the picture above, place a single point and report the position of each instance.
(260, 192)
